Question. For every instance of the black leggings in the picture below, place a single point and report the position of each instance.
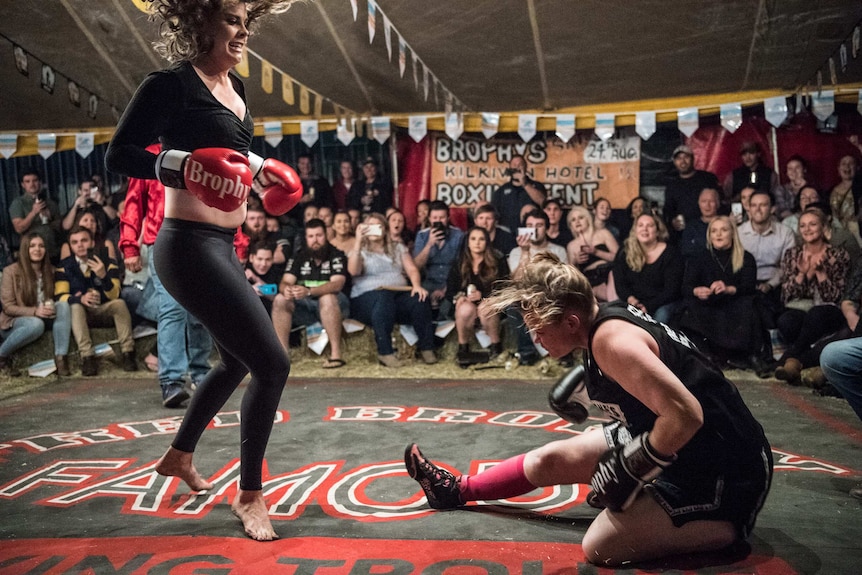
(197, 264)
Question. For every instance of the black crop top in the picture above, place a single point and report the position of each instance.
(175, 107)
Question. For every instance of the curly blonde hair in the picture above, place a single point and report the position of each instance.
(547, 289)
(184, 22)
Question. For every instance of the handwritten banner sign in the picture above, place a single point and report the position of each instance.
(468, 170)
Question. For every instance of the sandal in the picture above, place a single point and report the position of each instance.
(332, 363)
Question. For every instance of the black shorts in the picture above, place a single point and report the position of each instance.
(687, 493)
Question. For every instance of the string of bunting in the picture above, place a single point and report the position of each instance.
(77, 94)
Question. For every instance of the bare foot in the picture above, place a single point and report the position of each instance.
(176, 463)
(251, 509)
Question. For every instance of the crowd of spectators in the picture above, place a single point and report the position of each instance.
(737, 265)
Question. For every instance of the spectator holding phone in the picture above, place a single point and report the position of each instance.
(91, 287)
(435, 250)
(521, 190)
(34, 212)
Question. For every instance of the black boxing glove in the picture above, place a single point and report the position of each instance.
(568, 397)
(622, 472)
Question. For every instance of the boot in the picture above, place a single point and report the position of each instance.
(389, 360)
(130, 363)
(62, 363)
(790, 371)
(496, 349)
(7, 369)
(89, 366)
(813, 377)
(759, 366)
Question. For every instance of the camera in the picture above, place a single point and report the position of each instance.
(442, 228)
(510, 171)
(42, 196)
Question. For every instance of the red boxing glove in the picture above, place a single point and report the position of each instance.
(219, 177)
(281, 186)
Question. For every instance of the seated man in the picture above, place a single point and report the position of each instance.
(434, 252)
(261, 271)
(310, 291)
(92, 288)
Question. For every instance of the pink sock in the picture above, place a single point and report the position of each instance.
(506, 479)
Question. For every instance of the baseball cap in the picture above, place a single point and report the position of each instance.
(749, 147)
(683, 149)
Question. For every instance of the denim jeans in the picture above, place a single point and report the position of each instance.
(27, 329)
(841, 362)
(382, 309)
(184, 344)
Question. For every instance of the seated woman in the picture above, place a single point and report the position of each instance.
(472, 279)
(398, 230)
(718, 288)
(648, 271)
(592, 250)
(343, 238)
(104, 247)
(380, 296)
(27, 294)
(841, 196)
(602, 212)
(558, 231)
(813, 277)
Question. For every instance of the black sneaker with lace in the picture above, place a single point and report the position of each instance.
(442, 489)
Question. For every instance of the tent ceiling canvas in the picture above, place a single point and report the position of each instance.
(492, 55)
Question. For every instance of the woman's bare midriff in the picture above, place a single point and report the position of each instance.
(182, 205)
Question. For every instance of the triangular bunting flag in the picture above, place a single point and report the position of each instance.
(346, 131)
(415, 70)
(645, 124)
(823, 104)
(425, 80)
(318, 105)
(8, 145)
(490, 124)
(775, 110)
(688, 121)
(454, 125)
(380, 128)
(605, 126)
(372, 20)
(272, 133)
(242, 68)
(266, 76)
(304, 104)
(565, 126)
(309, 132)
(402, 56)
(355, 9)
(731, 116)
(287, 90)
(47, 144)
(418, 127)
(84, 143)
(527, 126)
(387, 35)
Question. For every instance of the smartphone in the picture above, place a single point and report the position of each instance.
(374, 230)
(42, 196)
(91, 253)
(736, 208)
(527, 232)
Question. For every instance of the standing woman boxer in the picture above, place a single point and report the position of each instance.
(197, 109)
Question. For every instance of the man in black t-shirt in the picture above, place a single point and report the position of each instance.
(683, 190)
(371, 195)
(311, 291)
(511, 198)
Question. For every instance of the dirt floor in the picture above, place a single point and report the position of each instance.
(78, 493)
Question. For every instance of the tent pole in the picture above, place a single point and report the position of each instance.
(393, 160)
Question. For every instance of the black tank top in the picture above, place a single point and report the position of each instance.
(729, 429)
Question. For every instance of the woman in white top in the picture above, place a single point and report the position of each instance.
(381, 296)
